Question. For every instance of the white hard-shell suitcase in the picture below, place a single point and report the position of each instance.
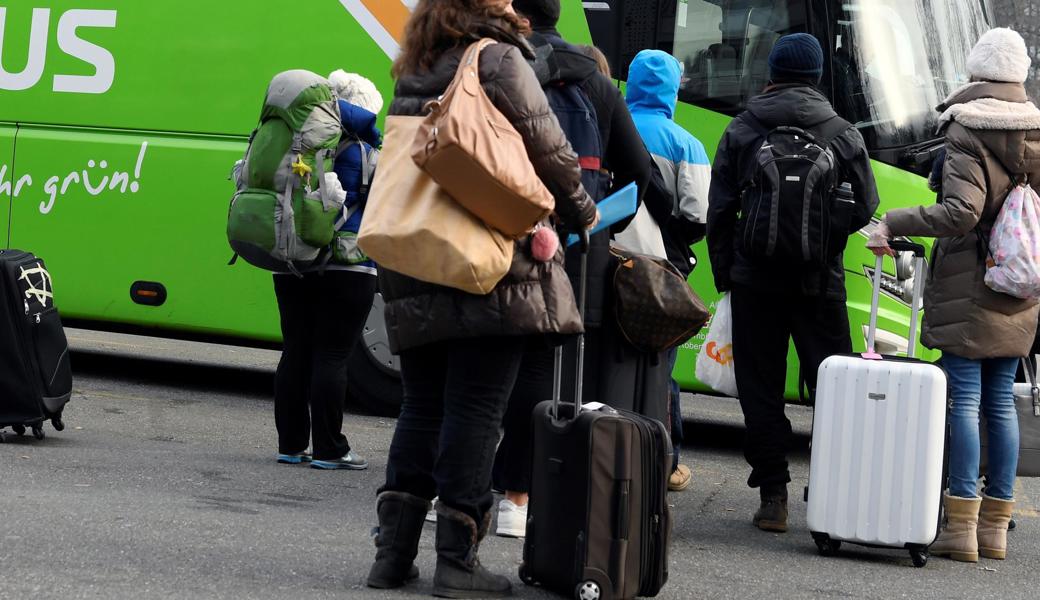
(879, 437)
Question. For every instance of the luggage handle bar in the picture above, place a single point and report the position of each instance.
(558, 360)
(907, 246)
(915, 301)
(1027, 368)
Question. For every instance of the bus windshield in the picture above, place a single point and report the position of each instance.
(895, 60)
(889, 62)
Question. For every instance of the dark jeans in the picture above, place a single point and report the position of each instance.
(513, 462)
(322, 318)
(455, 395)
(763, 325)
(674, 408)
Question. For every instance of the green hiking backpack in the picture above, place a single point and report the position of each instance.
(282, 216)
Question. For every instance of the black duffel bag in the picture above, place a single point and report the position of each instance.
(654, 306)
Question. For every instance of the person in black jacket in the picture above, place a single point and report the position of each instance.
(771, 305)
(624, 157)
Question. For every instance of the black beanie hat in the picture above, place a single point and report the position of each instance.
(796, 56)
(541, 13)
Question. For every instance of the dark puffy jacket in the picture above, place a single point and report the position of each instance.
(533, 297)
(624, 155)
(796, 105)
(992, 134)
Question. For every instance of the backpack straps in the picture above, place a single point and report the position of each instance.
(982, 240)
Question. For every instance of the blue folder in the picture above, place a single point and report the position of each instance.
(616, 207)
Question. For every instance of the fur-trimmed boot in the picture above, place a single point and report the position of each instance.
(958, 539)
(401, 518)
(459, 573)
(993, 527)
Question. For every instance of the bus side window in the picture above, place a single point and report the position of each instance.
(725, 46)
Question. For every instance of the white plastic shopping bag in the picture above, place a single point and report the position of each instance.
(1014, 244)
(643, 235)
(715, 361)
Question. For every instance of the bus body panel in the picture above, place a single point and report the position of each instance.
(110, 208)
(182, 65)
(189, 79)
(7, 180)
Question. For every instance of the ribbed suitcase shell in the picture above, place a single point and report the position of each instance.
(879, 434)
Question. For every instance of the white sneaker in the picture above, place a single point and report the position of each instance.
(512, 519)
(431, 517)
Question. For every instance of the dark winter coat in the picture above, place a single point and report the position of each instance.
(534, 297)
(624, 156)
(992, 133)
(796, 105)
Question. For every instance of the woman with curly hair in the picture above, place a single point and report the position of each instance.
(460, 353)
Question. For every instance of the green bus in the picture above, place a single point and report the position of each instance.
(121, 120)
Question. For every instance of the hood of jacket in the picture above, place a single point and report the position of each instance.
(360, 123)
(795, 104)
(1001, 116)
(653, 83)
(557, 61)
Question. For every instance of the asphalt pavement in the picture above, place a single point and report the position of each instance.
(164, 485)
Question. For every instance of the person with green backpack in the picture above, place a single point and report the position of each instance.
(297, 211)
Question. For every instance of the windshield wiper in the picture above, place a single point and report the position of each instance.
(919, 156)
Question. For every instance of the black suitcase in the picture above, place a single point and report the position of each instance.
(598, 524)
(35, 376)
(619, 375)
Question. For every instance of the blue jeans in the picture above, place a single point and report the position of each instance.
(987, 383)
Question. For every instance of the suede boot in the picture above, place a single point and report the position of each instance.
(772, 514)
(459, 573)
(401, 518)
(994, 517)
(958, 538)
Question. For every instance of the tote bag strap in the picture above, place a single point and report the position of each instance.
(1027, 368)
(467, 76)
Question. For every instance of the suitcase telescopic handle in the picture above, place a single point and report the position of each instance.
(907, 246)
(915, 301)
(1027, 368)
(558, 359)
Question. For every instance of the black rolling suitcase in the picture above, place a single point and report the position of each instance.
(35, 377)
(598, 523)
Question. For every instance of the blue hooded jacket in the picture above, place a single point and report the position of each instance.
(652, 94)
(359, 124)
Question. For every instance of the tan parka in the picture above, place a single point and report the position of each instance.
(992, 139)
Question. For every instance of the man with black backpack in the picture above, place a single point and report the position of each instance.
(779, 217)
(593, 115)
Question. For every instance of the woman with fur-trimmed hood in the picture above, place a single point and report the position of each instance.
(992, 144)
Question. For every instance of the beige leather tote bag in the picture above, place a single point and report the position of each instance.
(412, 226)
(471, 149)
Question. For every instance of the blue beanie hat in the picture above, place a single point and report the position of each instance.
(796, 56)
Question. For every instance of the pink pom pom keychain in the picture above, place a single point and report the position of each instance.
(544, 243)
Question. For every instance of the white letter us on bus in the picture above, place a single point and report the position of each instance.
(101, 59)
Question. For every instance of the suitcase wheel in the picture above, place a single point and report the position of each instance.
(826, 545)
(18, 429)
(37, 432)
(919, 557)
(587, 590)
(58, 424)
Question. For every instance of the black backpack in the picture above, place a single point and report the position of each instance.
(787, 207)
(577, 116)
